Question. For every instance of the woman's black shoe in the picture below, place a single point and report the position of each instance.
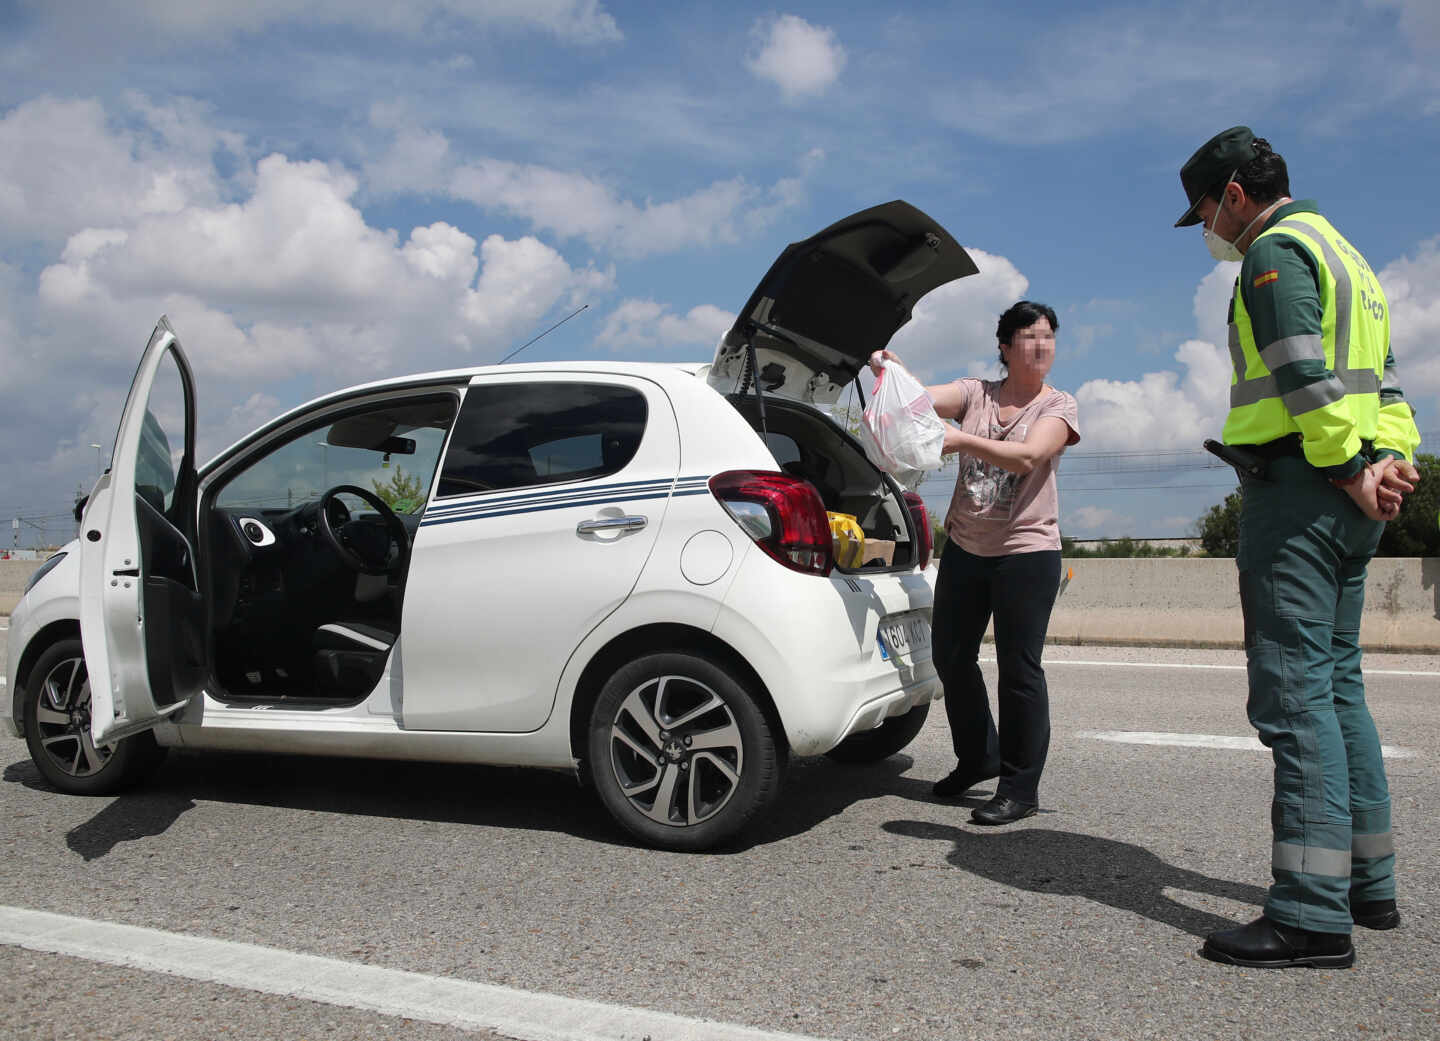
(959, 781)
(1375, 914)
(1264, 944)
(1002, 810)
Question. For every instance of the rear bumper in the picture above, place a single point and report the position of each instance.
(813, 642)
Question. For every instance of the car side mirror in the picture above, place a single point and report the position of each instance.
(80, 507)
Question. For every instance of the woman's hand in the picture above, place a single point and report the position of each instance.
(879, 358)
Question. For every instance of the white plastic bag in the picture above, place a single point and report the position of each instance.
(900, 430)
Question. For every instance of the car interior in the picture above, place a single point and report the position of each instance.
(309, 546)
(808, 445)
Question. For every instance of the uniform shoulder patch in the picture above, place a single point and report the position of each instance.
(1266, 277)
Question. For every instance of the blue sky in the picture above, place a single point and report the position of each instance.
(325, 193)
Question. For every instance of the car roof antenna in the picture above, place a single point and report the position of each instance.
(547, 332)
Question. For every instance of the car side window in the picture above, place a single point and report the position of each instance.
(512, 435)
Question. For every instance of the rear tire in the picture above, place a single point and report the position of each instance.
(681, 753)
(57, 729)
(870, 746)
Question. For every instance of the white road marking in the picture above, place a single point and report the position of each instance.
(391, 992)
(1196, 665)
(1248, 744)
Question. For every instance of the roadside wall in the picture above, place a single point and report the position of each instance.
(1179, 602)
(1164, 601)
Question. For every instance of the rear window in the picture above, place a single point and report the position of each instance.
(515, 435)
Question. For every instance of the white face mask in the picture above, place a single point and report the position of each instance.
(1222, 248)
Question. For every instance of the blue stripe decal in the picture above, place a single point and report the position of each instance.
(485, 515)
(474, 500)
(479, 507)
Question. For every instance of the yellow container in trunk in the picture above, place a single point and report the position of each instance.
(847, 541)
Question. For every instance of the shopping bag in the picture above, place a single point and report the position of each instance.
(901, 433)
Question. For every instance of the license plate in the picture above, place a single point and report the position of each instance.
(902, 635)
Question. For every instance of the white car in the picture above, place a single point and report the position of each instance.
(620, 570)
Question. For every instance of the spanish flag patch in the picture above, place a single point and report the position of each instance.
(1266, 277)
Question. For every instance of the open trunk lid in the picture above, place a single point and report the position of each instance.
(829, 301)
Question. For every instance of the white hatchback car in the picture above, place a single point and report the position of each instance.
(622, 570)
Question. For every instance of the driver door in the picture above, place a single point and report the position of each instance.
(141, 613)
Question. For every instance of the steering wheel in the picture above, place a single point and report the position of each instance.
(351, 540)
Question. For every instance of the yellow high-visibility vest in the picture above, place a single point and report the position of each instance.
(1334, 414)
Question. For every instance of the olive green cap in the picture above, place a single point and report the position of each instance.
(1212, 165)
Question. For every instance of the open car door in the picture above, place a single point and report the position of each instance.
(141, 613)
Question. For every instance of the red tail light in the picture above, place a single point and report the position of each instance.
(783, 514)
(924, 538)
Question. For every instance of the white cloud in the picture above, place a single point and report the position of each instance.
(1412, 287)
(648, 324)
(800, 58)
(63, 166)
(573, 205)
(1095, 522)
(1211, 304)
(1160, 410)
(952, 329)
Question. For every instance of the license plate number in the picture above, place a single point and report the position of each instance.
(901, 637)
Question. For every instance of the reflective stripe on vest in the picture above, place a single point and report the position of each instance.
(1258, 412)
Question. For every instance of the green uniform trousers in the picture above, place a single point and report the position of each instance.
(1304, 546)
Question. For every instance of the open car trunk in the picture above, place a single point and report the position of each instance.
(808, 444)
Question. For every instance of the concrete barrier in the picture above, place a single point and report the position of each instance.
(1179, 602)
(13, 576)
(1159, 602)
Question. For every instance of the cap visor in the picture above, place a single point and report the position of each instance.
(1190, 217)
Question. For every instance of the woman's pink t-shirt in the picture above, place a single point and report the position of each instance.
(994, 512)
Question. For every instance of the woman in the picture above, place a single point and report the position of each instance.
(1002, 560)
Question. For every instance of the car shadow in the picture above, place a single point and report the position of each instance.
(1107, 871)
(538, 800)
(815, 790)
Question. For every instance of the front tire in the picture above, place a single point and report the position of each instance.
(870, 746)
(681, 753)
(57, 729)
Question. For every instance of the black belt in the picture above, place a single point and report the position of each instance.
(1293, 445)
(1254, 460)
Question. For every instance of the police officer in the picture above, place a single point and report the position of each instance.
(1314, 395)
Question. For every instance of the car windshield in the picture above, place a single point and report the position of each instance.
(392, 452)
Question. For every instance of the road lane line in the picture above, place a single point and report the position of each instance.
(1196, 665)
(435, 999)
(1248, 744)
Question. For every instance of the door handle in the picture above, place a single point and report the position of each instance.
(634, 523)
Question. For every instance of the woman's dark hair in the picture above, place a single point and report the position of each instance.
(1264, 178)
(1022, 316)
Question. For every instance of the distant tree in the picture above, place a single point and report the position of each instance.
(403, 493)
(1219, 529)
(1416, 532)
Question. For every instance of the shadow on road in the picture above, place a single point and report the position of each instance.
(498, 797)
(1117, 874)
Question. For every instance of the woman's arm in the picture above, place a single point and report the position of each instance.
(1046, 438)
(948, 398)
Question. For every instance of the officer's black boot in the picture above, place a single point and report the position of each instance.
(1264, 944)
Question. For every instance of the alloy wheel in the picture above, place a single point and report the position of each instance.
(676, 750)
(62, 712)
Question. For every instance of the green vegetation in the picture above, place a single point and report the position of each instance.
(403, 494)
(1219, 528)
(1125, 546)
(1416, 532)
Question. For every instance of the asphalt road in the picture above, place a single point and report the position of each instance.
(862, 908)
